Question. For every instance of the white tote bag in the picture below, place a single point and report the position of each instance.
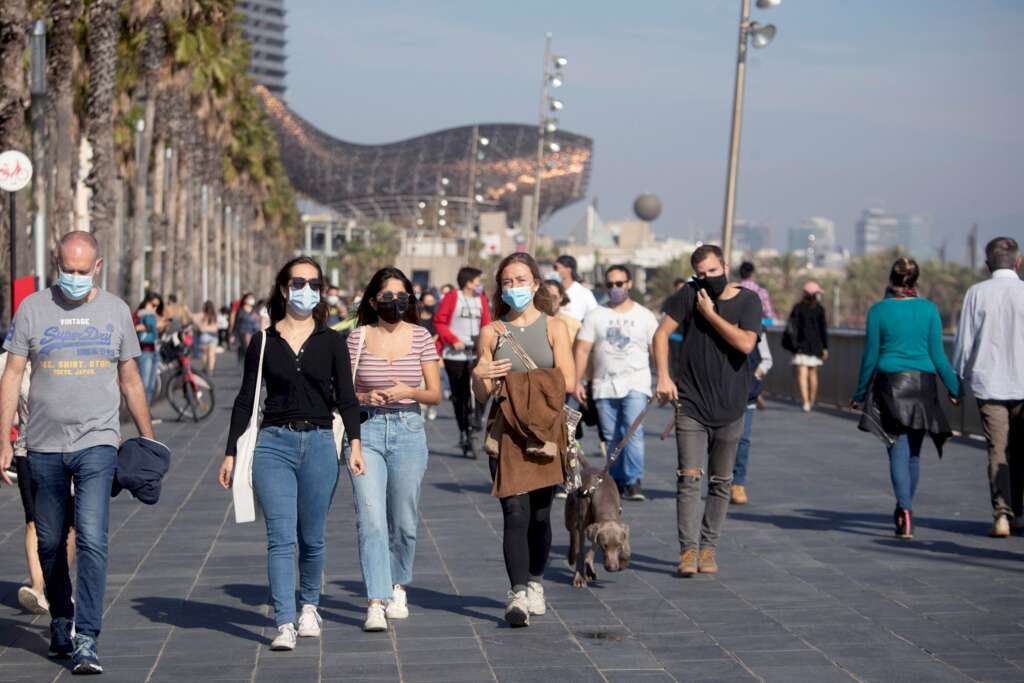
(338, 425)
(245, 449)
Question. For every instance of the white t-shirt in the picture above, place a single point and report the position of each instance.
(621, 350)
(581, 301)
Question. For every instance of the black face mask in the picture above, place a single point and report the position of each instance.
(715, 285)
(391, 311)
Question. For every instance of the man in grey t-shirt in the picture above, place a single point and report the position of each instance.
(82, 345)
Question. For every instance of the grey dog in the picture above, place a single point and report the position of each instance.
(597, 516)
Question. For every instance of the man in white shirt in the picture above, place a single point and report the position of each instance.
(989, 356)
(581, 299)
(620, 336)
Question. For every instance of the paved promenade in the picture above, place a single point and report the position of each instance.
(813, 585)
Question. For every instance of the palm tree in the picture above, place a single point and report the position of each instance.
(62, 72)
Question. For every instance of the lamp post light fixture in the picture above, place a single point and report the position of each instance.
(759, 35)
(552, 78)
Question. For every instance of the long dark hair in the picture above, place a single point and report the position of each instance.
(277, 305)
(209, 313)
(367, 314)
(903, 277)
(543, 299)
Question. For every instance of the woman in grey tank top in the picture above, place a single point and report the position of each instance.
(526, 309)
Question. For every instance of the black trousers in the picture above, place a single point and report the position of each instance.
(460, 374)
(526, 540)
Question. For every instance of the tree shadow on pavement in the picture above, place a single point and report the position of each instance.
(957, 553)
(190, 614)
(452, 487)
(31, 638)
(865, 524)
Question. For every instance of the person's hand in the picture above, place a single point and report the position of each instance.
(666, 390)
(356, 464)
(492, 369)
(399, 392)
(227, 468)
(704, 303)
(824, 355)
(581, 393)
(954, 400)
(459, 346)
(6, 456)
(759, 374)
(373, 398)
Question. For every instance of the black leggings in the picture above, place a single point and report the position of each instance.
(460, 372)
(527, 534)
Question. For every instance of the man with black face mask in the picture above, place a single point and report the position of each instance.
(720, 323)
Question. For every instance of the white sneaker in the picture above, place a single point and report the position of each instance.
(285, 638)
(807, 407)
(32, 601)
(535, 597)
(517, 611)
(398, 607)
(375, 619)
(309, 622)
(431, 413)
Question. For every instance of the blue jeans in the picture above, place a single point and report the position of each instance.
(92, 470)
(739, 470)
(388, 497)
(148, 363)
(616, 415)
(294, 475)
(905, 467)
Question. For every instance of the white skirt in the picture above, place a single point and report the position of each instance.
(807, 360)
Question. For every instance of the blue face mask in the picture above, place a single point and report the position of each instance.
(75, 287)
(303, 300)
(517, 297)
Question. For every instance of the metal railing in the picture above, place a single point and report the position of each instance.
(837, 378)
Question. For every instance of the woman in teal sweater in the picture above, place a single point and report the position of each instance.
(903, 352)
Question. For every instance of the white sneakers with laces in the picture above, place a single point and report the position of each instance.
(375, 618)
(535, 598)
(285, 638)
(398, 607)
(517, 611)
(309, 622)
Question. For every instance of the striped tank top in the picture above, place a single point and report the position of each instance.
(377, 373)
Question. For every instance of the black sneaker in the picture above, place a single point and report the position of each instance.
(84, 659)
(61, 644)
(635, 492)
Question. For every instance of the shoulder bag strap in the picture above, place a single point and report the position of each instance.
(359, 353)
(259, 380)
(517, 348)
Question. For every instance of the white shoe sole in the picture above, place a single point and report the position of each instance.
(309, 632)
(32, 601)
(282, 647)
(397, 613)
(374, 628)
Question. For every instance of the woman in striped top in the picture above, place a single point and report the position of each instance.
(396, 370)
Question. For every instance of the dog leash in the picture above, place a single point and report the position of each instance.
(619, 448)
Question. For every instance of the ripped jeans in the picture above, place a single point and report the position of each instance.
(698, 444)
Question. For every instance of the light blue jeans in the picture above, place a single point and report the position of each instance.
(616, 415)
(92, 471)
(905, 466)
(387, 497)
(294, 475)
(148, 364)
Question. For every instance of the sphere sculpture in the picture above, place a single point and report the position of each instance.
(647, 207)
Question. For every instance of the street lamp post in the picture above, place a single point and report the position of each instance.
(39, 89)
(476, 154)
(553, 78)
(760, 36)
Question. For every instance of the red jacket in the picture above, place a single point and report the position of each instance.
(443, 317)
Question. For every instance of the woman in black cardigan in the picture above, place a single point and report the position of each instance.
(811, 341)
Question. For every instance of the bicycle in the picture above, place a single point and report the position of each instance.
(187, 391)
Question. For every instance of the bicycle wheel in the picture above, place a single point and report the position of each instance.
(200, 397)
(175, 393)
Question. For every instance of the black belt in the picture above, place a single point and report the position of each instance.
(302, 426)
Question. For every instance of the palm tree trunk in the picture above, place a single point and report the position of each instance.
(158, 224)
(137, 234)
(102, 58)
(14, 18)
(62, 64)
(169, 281)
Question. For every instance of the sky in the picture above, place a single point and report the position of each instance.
(909, 105)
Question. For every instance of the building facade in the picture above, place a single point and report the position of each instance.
(263, 26)
(814, 238)
(879, 230)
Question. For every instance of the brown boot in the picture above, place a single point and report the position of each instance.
(739, 494)
(707, 561)
(687, 562)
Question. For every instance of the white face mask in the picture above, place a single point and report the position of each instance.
(332, 300)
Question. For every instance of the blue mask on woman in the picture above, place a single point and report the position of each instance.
(303, 300)
(75, 287)
(517, 297)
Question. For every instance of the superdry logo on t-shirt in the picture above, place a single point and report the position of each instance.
(87, 341)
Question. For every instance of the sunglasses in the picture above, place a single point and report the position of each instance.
(618, 283)
(301, 282)
(388, 297)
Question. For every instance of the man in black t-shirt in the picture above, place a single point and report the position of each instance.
(720, 323)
